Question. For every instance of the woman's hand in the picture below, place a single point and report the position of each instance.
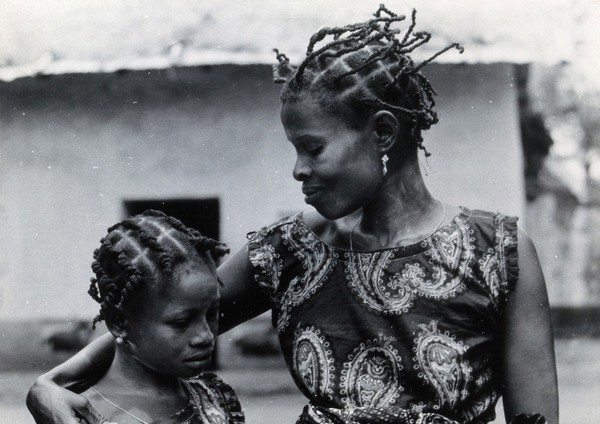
(48, 399)
(51, 404)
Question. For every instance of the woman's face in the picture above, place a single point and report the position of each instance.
(173, 330)
(340, 168)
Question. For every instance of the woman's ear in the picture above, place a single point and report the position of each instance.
(386, 128)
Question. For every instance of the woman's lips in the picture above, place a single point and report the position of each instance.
(310, 193)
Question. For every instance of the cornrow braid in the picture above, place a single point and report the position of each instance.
(140, 251)
(363, 68)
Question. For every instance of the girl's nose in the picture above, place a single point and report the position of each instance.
(301, 170)
(203, 336)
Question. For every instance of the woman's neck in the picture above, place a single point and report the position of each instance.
(403, 212)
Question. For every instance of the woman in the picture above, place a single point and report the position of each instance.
(391, 306)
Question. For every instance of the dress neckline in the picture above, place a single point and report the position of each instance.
(399, 251)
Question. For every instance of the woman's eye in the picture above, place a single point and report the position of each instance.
(314, 150)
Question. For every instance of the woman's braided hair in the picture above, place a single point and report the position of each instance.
(139, 251)
(363, 68)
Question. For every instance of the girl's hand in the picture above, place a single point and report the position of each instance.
(51, 404)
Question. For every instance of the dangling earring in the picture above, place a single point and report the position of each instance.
(119, 339)
(384, 159)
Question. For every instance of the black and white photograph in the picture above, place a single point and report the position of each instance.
(299, 211)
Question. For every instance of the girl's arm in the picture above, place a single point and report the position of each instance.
(529, 367)
(241, 299)
(50, 402)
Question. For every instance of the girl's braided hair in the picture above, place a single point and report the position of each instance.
(139, 251)
(363, 68)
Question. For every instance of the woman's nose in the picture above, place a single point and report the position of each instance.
(301, 170)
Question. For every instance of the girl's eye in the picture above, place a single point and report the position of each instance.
(212, 315)
(180, 324)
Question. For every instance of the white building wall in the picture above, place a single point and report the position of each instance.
(75, 146)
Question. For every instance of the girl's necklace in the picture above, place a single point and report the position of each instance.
(118, 407)
(430, 234)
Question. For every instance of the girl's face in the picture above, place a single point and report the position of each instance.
(173, 330)
(340, 168)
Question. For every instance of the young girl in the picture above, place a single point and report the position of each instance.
(391, 305)
(156, 283)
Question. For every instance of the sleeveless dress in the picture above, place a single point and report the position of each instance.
(401, 335)
(211, 401)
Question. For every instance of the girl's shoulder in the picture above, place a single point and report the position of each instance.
(209, 385)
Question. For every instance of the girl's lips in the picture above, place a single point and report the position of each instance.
(199, 358)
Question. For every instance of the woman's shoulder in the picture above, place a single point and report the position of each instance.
(274, 227)
(490, 222)
(484, 214)
(304, 221)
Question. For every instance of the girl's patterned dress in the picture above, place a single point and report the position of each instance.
(211, 401)
(400, 335)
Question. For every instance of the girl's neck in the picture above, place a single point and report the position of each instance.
(127, 373)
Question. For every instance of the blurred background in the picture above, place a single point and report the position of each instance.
(108, 108)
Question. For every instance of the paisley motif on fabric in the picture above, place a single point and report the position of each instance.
(491, 274)
(268, 261)
(313, 361)
(493, 262)
(314, 414)
(478, 407)
(371, 376)
(450, 251)
(317, 259)
(440, 358)
(207, 404)
(365, 275)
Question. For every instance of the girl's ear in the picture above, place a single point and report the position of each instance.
(386, 129)
(116, 329)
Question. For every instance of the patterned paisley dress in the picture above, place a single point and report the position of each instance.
(400, 335)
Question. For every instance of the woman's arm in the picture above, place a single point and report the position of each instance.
(50, 402)
(529, 367)
(241, 299)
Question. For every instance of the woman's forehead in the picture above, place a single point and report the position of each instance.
(306, 113)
